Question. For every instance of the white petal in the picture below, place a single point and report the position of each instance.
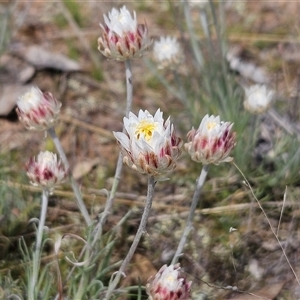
(123, 139)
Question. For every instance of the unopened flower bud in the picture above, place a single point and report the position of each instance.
(38, 110)
(46, 171)
(212, 142)
(168, 284)
(122, 37)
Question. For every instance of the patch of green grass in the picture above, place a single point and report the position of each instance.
(97, 74)
(275, 65)
(75, 9)
(145, 6)
(225, 222)
(60, 21)
(263, 44)
(9, 286)
(154, 83)
(165, 20)
(49, 146)
(283, 30)
(73, 51)
(237, 28)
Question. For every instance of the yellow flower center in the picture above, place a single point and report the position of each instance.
(28, 97)
(121, 18)
(170, 278)
(211, 125)
(145, 128)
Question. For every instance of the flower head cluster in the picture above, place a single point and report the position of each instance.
(212, 142)
(150, 144)
(167, 52)
(46, 171)
(258, 99)
(168, 284)
(38, 110)
(122, 37)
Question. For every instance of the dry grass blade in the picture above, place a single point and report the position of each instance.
(87, 126)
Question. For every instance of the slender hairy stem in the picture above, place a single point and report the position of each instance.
(117, 177)
(97, 232)
(141, 230)
(110, 201)
(38, 246)
(75, 187)
(189, 222)
(270, 225)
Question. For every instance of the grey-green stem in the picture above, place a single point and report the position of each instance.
(117, 177)
(75, 187)
(140, 232)
(109, 203)
(189, 222)
(38, 246)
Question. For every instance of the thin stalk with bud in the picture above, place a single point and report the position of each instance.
(118, 172)
(74, 184)
(46, 172)
(211, 143)
(36, 257)
(149, 146)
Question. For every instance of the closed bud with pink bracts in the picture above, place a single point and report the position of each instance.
(150, 144)
(168, 284)
(37, 110)
(212, 142)
(122, 37)
(46, 171)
